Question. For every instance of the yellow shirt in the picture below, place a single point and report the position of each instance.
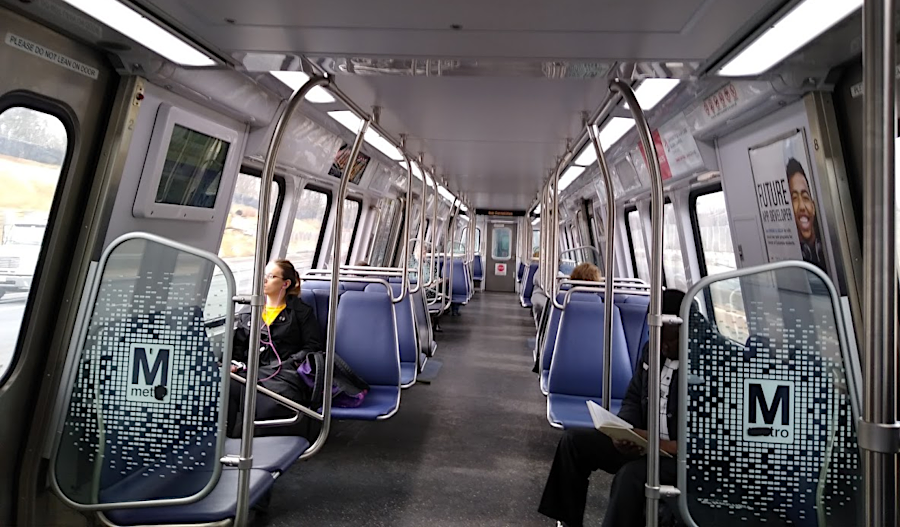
(270, 313)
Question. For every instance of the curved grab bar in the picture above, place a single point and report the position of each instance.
(583, 247)
(404, 284)
(421, 234)
(654, 318)
(435, 202)
(256, 300)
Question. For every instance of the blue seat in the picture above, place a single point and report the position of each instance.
(637, 328)
(308, 298)
(549, 341)
(354, 286)
(478, 271)
(528, 285)
(320, 284)
(423, 323)
(520, 272)
(367, 341)
(407, 339)
(576, 371)
(272, 453)
(321, 297)
(459, 289)
(218, 505)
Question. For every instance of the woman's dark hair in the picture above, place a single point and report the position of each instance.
(289, 273)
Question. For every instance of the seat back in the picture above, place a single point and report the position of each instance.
(309, 298)
(520, 271)
(367, 337)
(637, 328)
(407, 339)
(478, 273)
(322, 305)
(528, 283)
(460, 286)
(423, 321)
(577, 365)
(143, 405)
(354, 286)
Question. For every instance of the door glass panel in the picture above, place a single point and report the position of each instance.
(33, 148)
(637, 245)
(501, 248)
(673, 261)
(307, 226)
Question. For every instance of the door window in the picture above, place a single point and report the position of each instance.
(33, 147)
(501, 248)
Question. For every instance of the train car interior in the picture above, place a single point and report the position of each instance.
(288, 262)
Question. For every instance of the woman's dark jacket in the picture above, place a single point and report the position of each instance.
(294, 332)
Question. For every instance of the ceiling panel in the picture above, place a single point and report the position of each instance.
(493, 137)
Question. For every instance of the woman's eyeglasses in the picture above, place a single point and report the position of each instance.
(271, 276)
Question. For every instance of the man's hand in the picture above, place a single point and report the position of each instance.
(628, 448)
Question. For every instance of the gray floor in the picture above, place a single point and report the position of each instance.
(472, 448)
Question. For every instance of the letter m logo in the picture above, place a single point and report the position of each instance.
(768, 406)
(149, 369)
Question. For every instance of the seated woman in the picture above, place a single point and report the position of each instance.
(288, 333)
(587, 272)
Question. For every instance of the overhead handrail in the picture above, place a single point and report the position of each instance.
(581, 248)
(879, 429)
(654, 317)
(257, 298)
(610, 263)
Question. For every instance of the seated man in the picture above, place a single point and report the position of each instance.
(582, 451)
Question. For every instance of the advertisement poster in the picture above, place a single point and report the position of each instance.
(340, 162)
(787, 201)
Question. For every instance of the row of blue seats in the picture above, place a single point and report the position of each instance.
(571, 353)
(369, 339)
(410, 320)
(525, 275)
(461, 290)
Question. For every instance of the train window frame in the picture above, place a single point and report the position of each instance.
(355, 231)
(694, 195)
(279, 202)
(329, 201)
(38, 103)
(626, 213)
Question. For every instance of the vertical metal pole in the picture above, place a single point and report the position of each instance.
(435, 202)
(421, 233)
(654, 316)
(333, 291)
(257, 300)
(407, 217)
(554, 264)
(610, 262)
(879, 267)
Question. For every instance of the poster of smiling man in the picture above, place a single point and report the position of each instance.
(787, 201)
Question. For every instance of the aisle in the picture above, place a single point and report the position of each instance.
(473, 448)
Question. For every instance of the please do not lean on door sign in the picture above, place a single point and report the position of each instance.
(500, 269)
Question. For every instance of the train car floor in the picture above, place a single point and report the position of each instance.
(472, 448)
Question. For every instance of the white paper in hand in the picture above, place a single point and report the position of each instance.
(615, 427)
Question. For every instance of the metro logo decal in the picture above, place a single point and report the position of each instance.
(768, 407)
(150, 368)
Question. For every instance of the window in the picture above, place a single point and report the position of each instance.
(349, 224)
(33, 149)
(501, 248)
(239, 239)
(673, 260)
(712, 235)
(477, 240)
(535, 242)
(636, 241)
(710, 219)
(387, 210)
(307, 232)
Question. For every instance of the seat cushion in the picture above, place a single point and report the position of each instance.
(218, 505)
(408, 373)
(570, 411)
(272, 454)
(381, 402)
